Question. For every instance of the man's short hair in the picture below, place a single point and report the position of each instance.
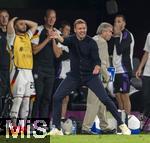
(79, 21)
(4, 10)
(18, 19)
(64, 23)
(102, 27)
(122, 16)
(49, 11)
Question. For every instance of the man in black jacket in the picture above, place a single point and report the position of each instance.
(122, 51)
(4, 57)
(85, 67)
(45, 51)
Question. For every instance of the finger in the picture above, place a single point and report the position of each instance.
(138, 75)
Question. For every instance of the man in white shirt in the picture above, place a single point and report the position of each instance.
(146, 75)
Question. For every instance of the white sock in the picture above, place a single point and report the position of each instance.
(24, 109)
(16, 106)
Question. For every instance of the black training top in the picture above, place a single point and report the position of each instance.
(45, 59)
(83, 55)
(123, 49)
(4, 55)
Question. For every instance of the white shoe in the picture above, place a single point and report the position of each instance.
(55, 131)
(124, 129)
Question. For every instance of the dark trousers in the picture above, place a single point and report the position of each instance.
(44, 87)
(146, 92)
(70, 84)
(4, 87)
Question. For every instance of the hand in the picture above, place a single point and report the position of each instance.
(15, 17)
(96, 70)
(53, 34)
(138, 73)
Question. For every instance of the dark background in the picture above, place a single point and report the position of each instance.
(93, 11)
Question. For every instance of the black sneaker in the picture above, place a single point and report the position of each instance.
(63, 120)
(108, 131)
(85, 132)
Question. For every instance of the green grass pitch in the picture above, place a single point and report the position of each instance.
(101, 139)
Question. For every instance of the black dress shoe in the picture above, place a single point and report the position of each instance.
(108, 131)
(85, 132)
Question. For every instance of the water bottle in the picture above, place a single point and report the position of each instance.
(52, 127)
(74, 127)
